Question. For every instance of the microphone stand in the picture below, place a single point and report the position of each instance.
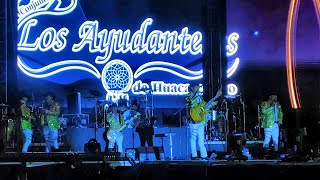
(96, 120)
(133, 128)
(244, 117)
(259, 123)
(152, 103)
(226, 127)
(146, 108)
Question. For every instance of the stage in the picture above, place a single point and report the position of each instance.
(87, 166)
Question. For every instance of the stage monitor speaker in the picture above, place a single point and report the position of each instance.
(92, 146)
(150, 153)
(235, 143)
(74, 103)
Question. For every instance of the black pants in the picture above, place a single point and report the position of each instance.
(146, 138)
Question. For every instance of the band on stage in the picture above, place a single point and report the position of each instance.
(114, 117)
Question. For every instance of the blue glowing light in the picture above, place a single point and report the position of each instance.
(117, 77)
(48, 39)
(232, 45)
(256, 33)
(117, 41)
(57, 67)
(43, 7)
(168, 67)
(232, 69)
(232, 89)
(232, 48)
(159, 88)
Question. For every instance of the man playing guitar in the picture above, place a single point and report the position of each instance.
(194, 101)
(117, 122)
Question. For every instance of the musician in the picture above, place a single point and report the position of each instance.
(25, 117)
(271, 120)
(115, 121)
(196, 129)
(145, 129)
(50, 121)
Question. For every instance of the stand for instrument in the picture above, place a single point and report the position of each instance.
(162, 136)
(96, 120)
(234, 119)
(152, 104)
(226, 125)
(187, 133)
(259, 124)
(133, 138)
(96, 123)
(180, 125)
(244, 117)
(171, 147)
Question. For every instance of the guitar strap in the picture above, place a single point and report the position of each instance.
(121, 118)
(194, 96)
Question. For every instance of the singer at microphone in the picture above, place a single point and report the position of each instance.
(272, 113)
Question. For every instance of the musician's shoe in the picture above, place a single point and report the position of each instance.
(205, 158)
(194, 158)
(275, 155)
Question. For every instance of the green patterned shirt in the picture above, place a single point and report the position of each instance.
(25, 117)
(268, 115)
(52, 116)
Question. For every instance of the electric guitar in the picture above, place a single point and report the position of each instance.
(113, 134)
(199, 112)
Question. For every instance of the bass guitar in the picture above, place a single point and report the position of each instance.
(113, 134)
(199, 112)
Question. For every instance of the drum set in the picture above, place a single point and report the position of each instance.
(229, 118)
(215, 130)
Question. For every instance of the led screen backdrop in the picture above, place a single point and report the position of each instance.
(119, 47)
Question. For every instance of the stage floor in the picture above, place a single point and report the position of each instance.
(83, 166)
